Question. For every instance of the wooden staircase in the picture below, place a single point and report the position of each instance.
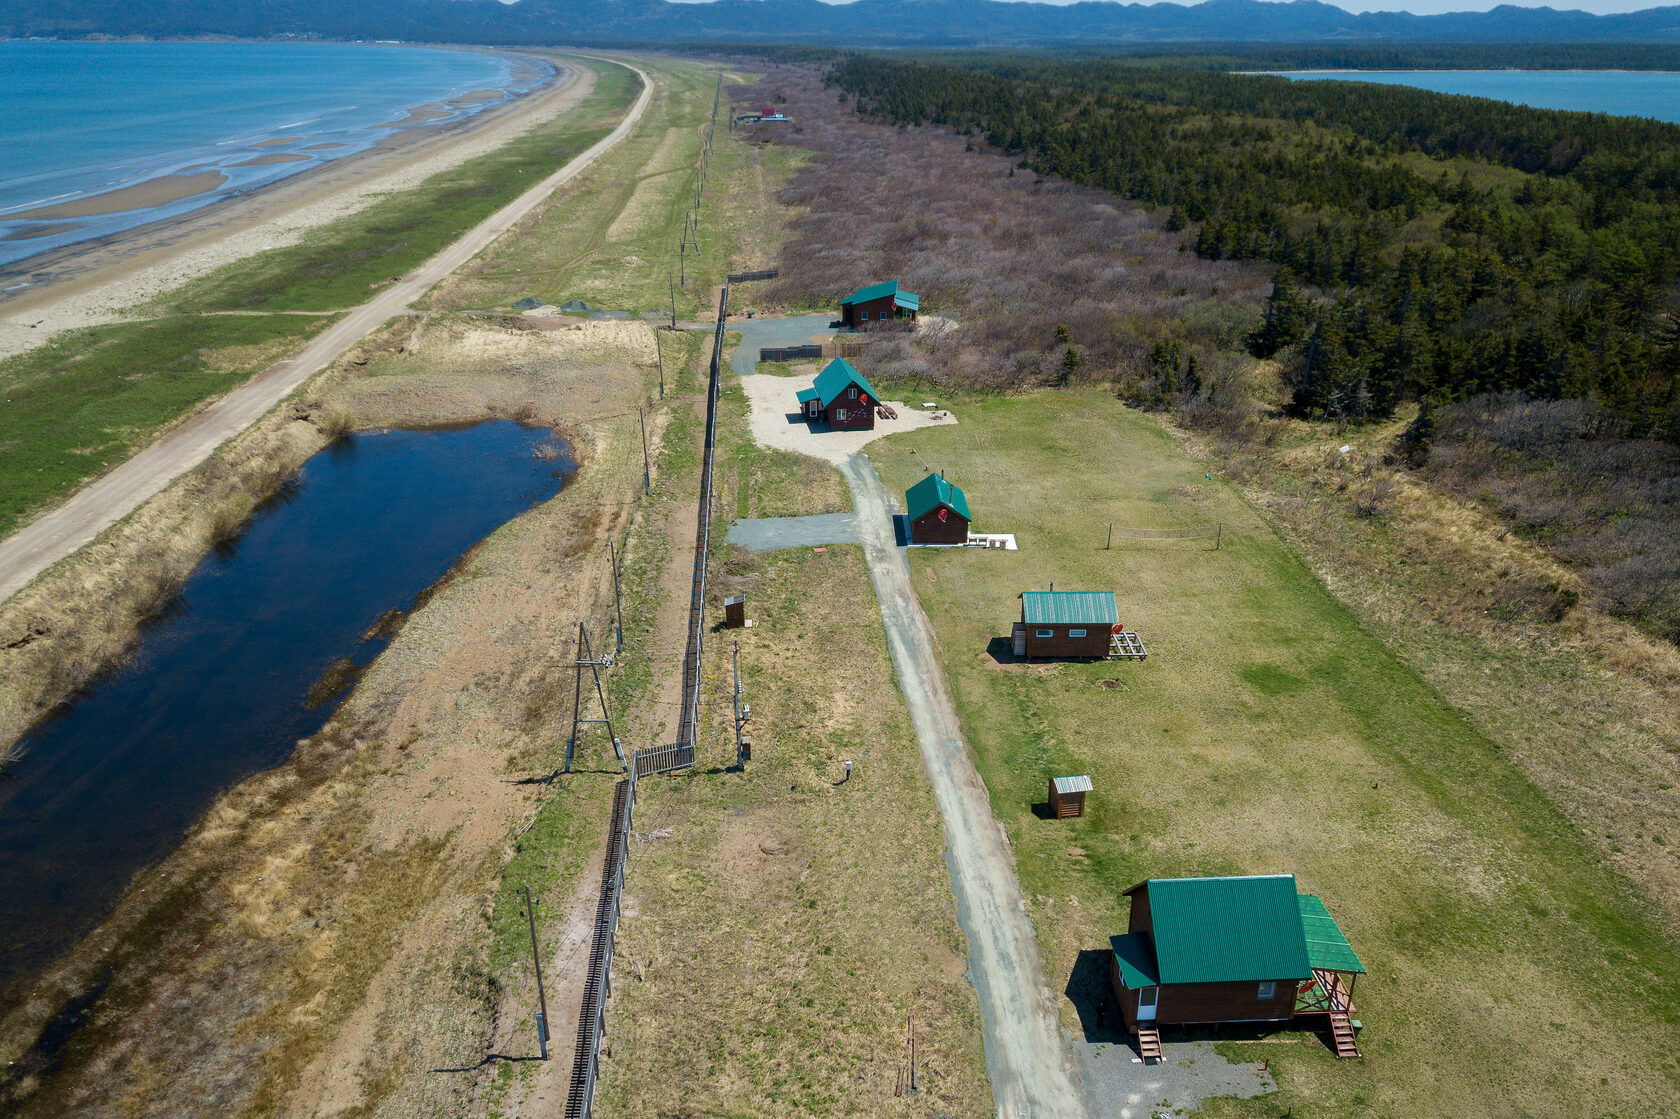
(1149, 1044)
(1341, 1034)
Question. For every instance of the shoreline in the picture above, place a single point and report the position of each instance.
(103, 280)
(106, 279)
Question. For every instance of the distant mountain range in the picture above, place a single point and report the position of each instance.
(866, 22)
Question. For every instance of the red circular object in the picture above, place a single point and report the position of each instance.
(1118, 629)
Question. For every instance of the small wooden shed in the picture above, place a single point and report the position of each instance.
(938, 512)
(879, 305)
(735, 611)
(1067, 796)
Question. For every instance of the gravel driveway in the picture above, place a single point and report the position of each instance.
(1024, 1055)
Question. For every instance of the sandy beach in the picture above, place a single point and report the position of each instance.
(269, 160)
(103, 281)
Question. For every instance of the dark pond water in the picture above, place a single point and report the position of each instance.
(217, 688)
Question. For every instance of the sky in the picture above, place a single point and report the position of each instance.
(1435, 7)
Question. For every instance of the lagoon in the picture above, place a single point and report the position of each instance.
(1629, 93)
(237, 669)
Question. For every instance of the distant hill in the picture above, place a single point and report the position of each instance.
(867, 22)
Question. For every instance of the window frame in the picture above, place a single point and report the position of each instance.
(1267, 991)
(1076, 633)
(1044, 633)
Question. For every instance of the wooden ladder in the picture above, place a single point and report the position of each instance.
(1149, 1044)
(1341, 1033)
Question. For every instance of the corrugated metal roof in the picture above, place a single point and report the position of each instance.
(932, 492)
(1050, 607)
(833, 381)
(1072, 784)
(1136, 959)
(1327, 947)
(881, 291)
(1227, 930)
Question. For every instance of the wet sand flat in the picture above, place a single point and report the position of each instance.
(41, 231)
(415, 116)
(278, 141)
(269, 160)
(477, 96)
(321, 147)
(141, 196)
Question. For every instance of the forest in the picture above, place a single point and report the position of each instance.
(1426, 247)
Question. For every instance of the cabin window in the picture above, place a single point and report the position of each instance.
(852, 392)
(1076, 633)
(840, 415)
(1045, 633)
(1268, 991)
(865, 315)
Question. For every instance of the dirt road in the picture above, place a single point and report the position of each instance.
(1024, 1055)
(105, 501)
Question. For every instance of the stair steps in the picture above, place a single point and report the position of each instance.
(1149, 1044)
(1341, 1035)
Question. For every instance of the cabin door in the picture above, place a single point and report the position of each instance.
(1147, 997)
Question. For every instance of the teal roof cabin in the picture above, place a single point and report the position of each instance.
(840, 395)
(1235, 949)
(879, 305)
(1069, 624)
(937, 512)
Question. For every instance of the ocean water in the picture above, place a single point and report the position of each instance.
(83, 119)
(1626, 93)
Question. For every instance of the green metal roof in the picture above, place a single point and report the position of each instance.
(932, 492)
(833, 380)
(1136, 959)
(1327, 947)
(1054, 607)
(1227, 930)
(881, 291)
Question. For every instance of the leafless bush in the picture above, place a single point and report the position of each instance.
(1564, 474)
(1009, 258)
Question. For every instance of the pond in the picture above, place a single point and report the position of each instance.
(237, 669)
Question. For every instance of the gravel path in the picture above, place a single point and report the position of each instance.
(1024, 1054)
(110, 498)
(768, 534)
(756, 334)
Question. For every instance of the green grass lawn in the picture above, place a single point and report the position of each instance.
(91, 398)
(1511, 973)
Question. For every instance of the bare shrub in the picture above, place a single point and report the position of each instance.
(1564, 474)
(1008, 258)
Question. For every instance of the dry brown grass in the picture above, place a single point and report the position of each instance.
(784, 932)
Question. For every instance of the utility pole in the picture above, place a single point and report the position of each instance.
(618, 603)
(659, 348)
(647, 470)
(672, 281)
(536, 962)
(1110, 543)
(740, 759)
(586, 659)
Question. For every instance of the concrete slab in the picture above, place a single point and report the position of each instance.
(769, 534)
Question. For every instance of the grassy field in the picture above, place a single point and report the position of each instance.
(611, 235)
(1511, 973)
(786, 931)
(93, 397)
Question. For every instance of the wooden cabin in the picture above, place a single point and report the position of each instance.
(1067, 796)
(938, 512)
(1215, 950)
(841, 397)
(879, 305)
(1065, 623)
